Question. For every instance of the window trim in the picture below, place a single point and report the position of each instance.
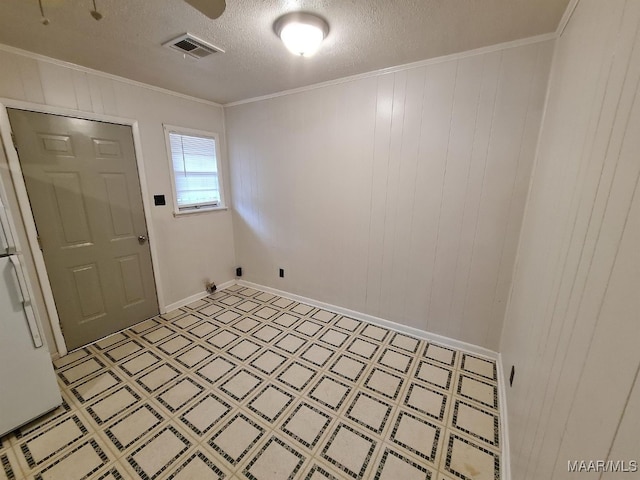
(168, 129)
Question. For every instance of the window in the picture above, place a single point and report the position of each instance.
(195, 170)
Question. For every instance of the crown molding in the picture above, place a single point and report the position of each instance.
(407, 66)
(117, 78)
(568, 13)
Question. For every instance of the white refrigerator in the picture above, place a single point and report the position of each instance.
(28, 386)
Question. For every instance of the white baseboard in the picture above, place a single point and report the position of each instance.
(194, 298)
(415, 332)
(505, 454)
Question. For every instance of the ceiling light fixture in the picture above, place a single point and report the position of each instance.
(302, 33)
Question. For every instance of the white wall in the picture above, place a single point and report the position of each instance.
(191, 248)
(399, 195)
(572, 325)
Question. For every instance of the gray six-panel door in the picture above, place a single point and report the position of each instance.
(83, 186)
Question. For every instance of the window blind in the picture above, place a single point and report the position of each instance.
(195, 170)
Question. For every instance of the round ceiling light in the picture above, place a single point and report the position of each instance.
(302, 33)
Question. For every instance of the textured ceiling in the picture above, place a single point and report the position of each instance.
(365, 35)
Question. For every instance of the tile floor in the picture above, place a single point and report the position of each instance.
(247, 385)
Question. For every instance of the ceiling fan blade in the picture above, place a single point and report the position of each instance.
(211, 8)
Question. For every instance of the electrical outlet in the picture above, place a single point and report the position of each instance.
(281, 273)
(511, 375)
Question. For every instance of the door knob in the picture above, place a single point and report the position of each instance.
(142, 239)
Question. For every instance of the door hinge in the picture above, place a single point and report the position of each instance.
(39, 242)
(13, 139)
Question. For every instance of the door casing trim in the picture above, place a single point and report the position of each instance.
(26, 214)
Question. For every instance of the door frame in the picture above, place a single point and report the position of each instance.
(26, 214)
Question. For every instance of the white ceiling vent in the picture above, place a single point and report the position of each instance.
(193, 46)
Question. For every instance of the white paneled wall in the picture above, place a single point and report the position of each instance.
(191, 248)
(626, 444)
(572, 326)
(399, 195)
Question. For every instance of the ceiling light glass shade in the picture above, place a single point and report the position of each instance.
(302, 33)
(301, 39)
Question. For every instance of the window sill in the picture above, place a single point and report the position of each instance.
(195, 211)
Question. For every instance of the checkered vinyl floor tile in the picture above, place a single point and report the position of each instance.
(247, 385)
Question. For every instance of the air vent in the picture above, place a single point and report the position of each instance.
(190, 45)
